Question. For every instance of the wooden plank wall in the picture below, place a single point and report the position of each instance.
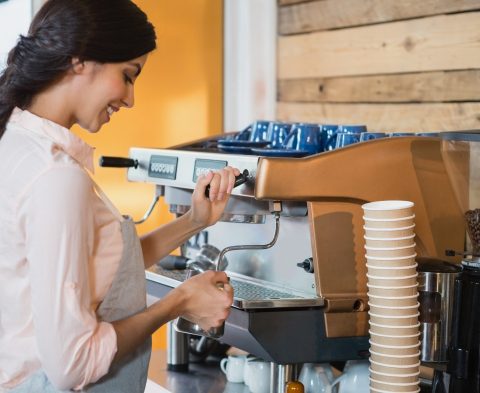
(394, 65)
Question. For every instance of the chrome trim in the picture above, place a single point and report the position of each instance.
(243, 218)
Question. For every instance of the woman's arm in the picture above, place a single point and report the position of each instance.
(204, 212)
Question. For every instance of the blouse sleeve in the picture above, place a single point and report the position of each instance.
(74, 347)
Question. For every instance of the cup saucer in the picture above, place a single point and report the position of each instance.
(241, 143)
(235, 149)
(280, 152)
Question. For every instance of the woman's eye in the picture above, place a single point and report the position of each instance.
(127, 79)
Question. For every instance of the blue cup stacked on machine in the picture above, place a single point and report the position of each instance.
(337, 136)
(304, 137)
(278, 133)
(349, 134)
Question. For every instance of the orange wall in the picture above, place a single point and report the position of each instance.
(178, 97)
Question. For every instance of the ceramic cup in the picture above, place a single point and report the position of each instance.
(259, 131)
(259, 376)
(305, 137)
(317, 378)
(368, 136)
(233, 368)
(328, 131)
(277, 134)
(355, 377)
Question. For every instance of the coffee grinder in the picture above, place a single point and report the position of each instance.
(461, 154)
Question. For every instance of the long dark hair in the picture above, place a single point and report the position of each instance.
(106, 31)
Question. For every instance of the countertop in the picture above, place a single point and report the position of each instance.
(201, 378)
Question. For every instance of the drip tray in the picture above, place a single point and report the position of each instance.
(247, 295)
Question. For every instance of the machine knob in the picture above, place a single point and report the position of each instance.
(117, 162)
(307, 265)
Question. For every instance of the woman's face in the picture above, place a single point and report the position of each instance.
(106, 88)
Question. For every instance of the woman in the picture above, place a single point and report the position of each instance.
(72, 285)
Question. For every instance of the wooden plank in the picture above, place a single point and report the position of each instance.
(415, 87)
(387, 117)
(333, 14)
(446, 42)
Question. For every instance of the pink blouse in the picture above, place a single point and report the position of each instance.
(60, 247)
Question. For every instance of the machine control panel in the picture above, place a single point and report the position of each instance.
(181, 168)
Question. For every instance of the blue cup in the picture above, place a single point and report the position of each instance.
(368, 136)
(352, 129)
(336, 140)
(278, 133)
(244, 135)
(345, 139)
(304, 136)
(259, 131)
(328, 133)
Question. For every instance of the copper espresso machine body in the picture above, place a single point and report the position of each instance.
(321, 197)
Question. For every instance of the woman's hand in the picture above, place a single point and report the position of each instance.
(203, 302)
(207, 211)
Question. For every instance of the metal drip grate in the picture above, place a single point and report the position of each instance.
(242, 290)
(251, 295)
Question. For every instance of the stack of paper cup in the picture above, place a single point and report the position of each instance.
(392, 292)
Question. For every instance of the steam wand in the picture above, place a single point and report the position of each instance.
(276, 209)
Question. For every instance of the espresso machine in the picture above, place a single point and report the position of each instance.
(303, 299)
(461, 369)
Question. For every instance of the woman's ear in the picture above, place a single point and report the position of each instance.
(78, 66)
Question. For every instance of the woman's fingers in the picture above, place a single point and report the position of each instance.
(222, 183)
(203, 181)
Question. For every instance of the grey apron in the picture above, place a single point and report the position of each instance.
(126, 297)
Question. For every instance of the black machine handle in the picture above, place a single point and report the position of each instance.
(117, 162)
(239, 180)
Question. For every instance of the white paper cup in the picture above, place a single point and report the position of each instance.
(379, 386)
(394, 320)
(395, 349)
(400, 378)
(395, 291)
(398, 330)
(397, 340)
(403, 301)
(392, 271)
(388, 209)
(375, 390)
(395, 360)
(399, 281)
(394, 369)
(389, 242)
(389, 223)
(390, 252)
(393, 311)
(391, 262)
(389, 232)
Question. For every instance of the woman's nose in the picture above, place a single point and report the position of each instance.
(129, 99)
